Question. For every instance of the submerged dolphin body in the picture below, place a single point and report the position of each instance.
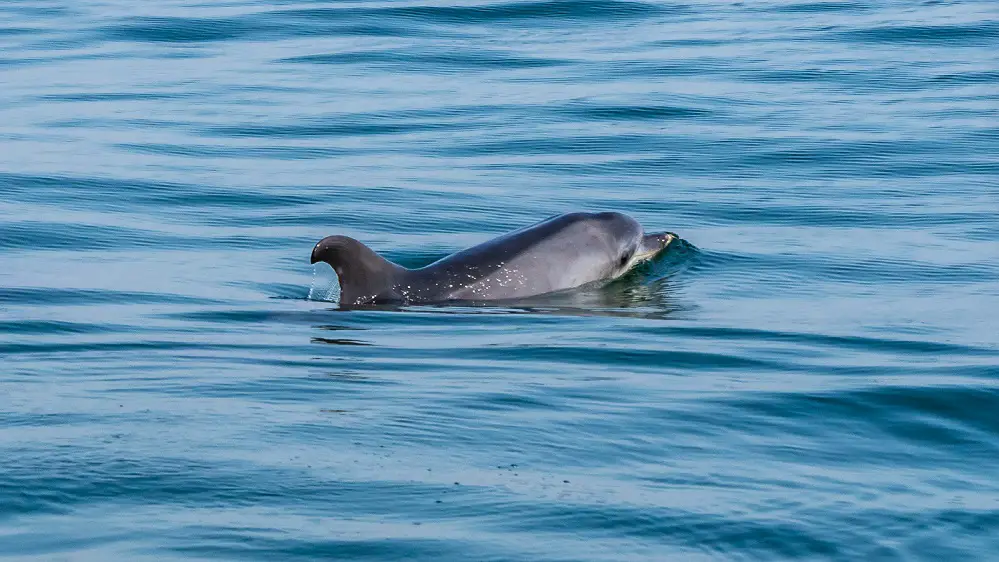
(560, 253)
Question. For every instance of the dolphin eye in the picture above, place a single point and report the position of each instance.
(624, 259)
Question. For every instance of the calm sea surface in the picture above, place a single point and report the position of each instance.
(813, 374)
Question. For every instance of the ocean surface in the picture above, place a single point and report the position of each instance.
(812, 374)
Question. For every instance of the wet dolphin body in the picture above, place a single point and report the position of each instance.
(562, 252)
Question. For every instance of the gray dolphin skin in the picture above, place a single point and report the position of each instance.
(562, 252)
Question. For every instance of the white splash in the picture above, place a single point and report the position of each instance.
(323, 288)
(333, 292)
(312, 287)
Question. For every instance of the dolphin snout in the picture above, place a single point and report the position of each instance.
(652, 244)
(666, 238)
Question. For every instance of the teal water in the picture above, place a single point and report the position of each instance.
(813, 374)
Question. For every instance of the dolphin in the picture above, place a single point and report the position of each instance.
(562, 252)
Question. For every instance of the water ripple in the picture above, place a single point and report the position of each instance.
(810, 372)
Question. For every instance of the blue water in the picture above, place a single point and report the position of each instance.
(813, 374)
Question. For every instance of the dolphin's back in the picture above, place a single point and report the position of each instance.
(555, 254)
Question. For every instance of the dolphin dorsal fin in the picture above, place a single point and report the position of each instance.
(364, 275)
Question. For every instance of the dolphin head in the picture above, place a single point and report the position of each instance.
(629, 245)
